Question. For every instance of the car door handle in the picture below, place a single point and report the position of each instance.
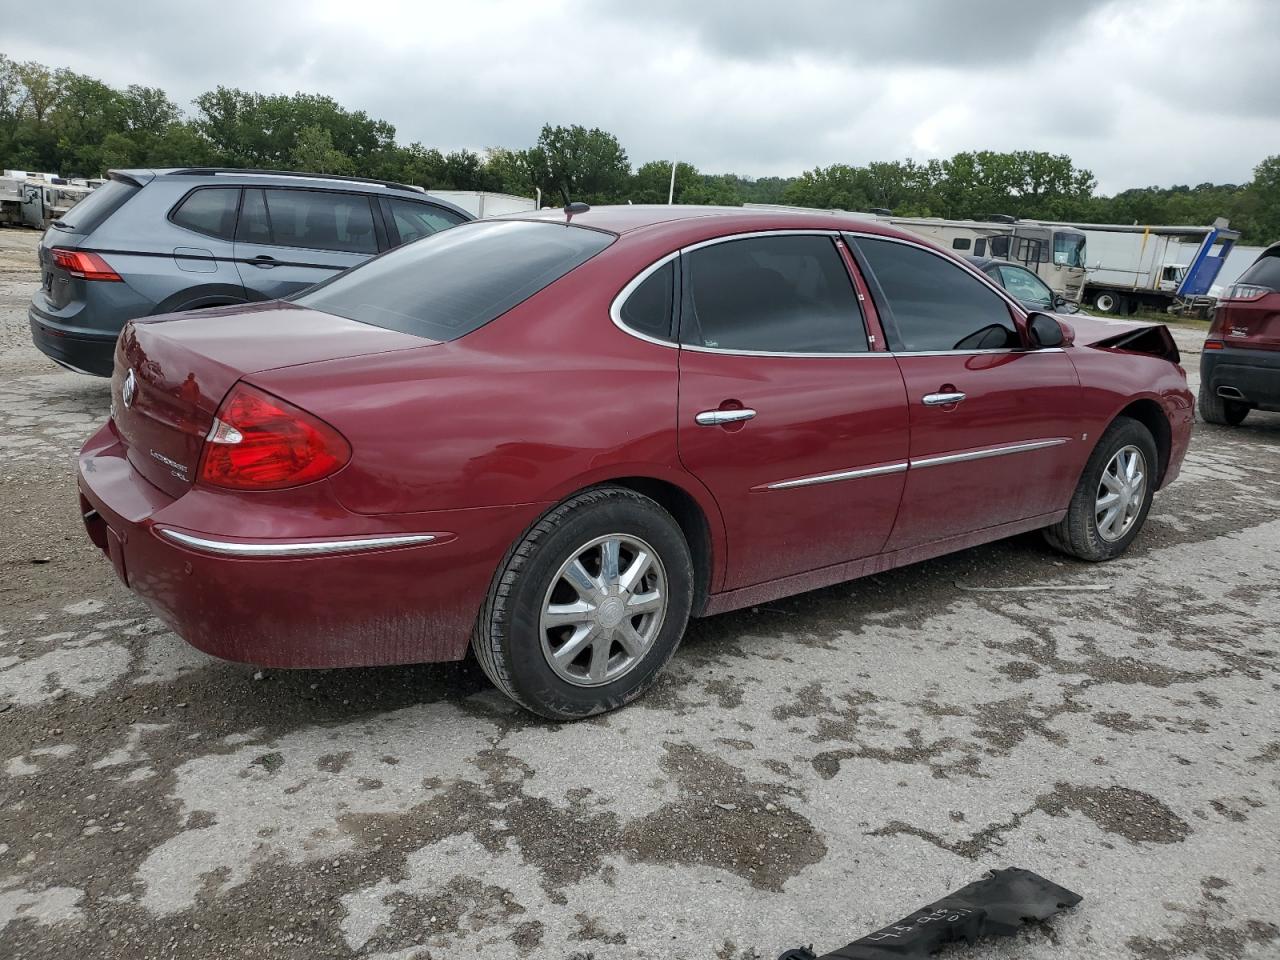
(716, 418)
(941, 399)
(262, 260)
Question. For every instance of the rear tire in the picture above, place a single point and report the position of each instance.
(1090, 530)
(1219, 410)
(556, 632)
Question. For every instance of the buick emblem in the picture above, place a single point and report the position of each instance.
(129, 389)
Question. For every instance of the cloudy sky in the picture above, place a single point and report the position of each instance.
(1139, 91)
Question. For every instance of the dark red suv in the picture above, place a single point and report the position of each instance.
(1240, 366)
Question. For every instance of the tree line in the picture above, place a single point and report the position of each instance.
(63, 121)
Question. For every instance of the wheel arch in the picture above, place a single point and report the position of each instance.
(1151, 415)
(205, 295)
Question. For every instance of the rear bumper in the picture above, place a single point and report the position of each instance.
(310, 595)
(1252, 374)
(91, 353)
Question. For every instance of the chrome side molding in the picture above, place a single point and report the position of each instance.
(303, 548)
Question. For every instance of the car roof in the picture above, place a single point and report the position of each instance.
(238, 176)
(690, 220)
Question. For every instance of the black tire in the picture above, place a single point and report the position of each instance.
(1106, 302)
(1077, 533)
(1219, 410)
(507, 639)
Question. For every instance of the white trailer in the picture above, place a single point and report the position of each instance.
(38, 199)
(1159, 267)
(480, 203)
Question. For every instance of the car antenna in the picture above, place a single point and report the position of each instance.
(571, 206)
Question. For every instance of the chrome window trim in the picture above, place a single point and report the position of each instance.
(986, 452)
(615, 308)
(821, 478)
(293, 549)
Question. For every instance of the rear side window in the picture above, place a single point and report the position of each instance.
(937, 305)
(414, 220)
(455, 281)
(91, 212)
(648, 309)
(321, 221)
(780, 294)
(254, 227)
(1265, 272)
(211, 211)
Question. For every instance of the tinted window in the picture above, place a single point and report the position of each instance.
(648, 309)
(1025, 286)
(1000, 247)
(980, 247)
(101, 203)
(254, 226)
(960, 243)
(211, 211)
(414, 220)
(937, 305)
(450, 283)
(1265, 272)
(784, 294)
(321, 221)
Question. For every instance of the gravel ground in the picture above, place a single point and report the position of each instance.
(806, 772)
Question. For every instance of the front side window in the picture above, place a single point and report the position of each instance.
(1068, 249)
(455, 281)
(414, 220)
(937, 305)
(778, 294)
(211, 211)
(321, 221)
(1025, 287)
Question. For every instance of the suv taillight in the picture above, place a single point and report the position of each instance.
(260, 442)
(83, 264)
(1246, 291)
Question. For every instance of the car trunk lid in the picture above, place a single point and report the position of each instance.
(172, 373)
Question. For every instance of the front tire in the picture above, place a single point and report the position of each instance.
(1113, 497)
(1106, 303)
(1219, 410)
(588, 607)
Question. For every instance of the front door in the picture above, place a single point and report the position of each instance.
(995, 428)
(290, 239)
(798, 429)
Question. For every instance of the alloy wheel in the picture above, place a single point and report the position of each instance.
(1121, 493)
(603, 610)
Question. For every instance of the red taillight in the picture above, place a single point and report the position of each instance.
(83, 264)
(259, 442)
(1214, 345)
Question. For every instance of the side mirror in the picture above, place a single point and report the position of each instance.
(1062, 305)
(1044, 330)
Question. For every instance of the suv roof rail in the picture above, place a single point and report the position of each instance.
(214, 171)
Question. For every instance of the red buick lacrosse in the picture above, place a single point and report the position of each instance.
(553, 439)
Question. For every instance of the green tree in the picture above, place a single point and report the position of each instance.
(588, 165)
(313, 152)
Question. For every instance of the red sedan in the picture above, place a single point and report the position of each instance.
(554, 439)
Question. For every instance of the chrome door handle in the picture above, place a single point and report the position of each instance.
(714, 418)
(941, 399)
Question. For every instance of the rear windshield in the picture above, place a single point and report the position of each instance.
(1265, 272)
(448, 284)
(90, 212)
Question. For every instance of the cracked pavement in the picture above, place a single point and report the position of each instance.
(805, 772)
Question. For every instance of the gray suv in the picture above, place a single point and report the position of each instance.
(160, 241)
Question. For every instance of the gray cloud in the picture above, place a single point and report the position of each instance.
(758, 89)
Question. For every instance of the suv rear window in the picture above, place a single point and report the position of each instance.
(455, 281)
(93, 210)
(1265, 272)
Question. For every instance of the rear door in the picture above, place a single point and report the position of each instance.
(995, 426)
(290, 239)
(797, 427)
